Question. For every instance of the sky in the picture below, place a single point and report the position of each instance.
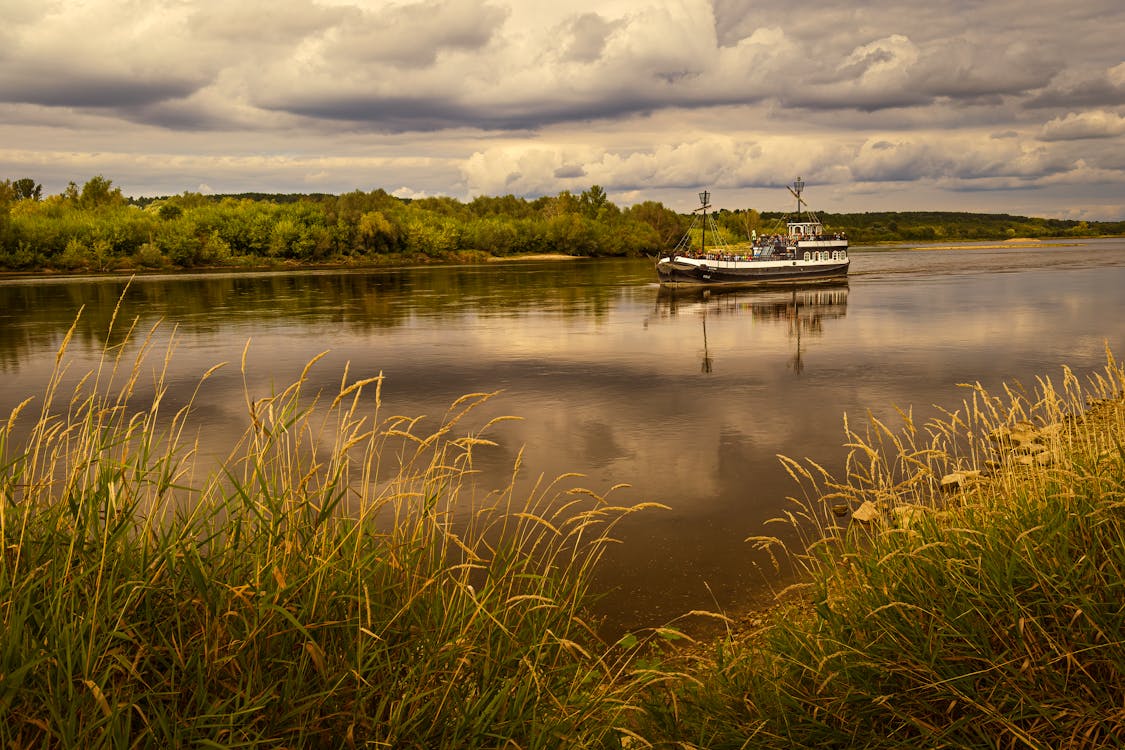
(996, 106)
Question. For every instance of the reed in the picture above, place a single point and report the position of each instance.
(332, 583)
(969, 611)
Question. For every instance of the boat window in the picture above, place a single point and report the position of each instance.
(807, 255)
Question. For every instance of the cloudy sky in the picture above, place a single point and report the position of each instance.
(1013, 106)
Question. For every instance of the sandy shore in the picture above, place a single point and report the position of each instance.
(534, 256)
(969, 245)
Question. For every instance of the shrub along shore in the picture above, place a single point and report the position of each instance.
(335, 584)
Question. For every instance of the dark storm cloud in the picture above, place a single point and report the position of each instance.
(93, 91)
(1094, 91)
(393, 114)
(405, 114)
(574, 170)
(415, 34)
(179, 115)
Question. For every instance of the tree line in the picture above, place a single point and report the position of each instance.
(96, 228)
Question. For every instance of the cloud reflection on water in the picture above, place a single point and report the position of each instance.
(686, 399)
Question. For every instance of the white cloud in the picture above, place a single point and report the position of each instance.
(1116, 75)
(1081, 125)
(882, 62)
(405, 192)
(256, 24)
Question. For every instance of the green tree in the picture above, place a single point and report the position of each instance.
(26, 188)
(496, 235)
(562, 204)
(668, 225)
(507, 206)
(214, 250)
(432, 236)
(6, 240)
(572, 234)
(169, 211)
(376, 234)
(99, 192)
(751, 222)
(592, 201)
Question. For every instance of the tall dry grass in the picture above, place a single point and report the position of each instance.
(334, 582)
(967, 611)
(331, 584)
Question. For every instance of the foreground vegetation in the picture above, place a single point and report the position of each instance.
(96, 228)
(329, 585)
(333, 583)
(970, 611)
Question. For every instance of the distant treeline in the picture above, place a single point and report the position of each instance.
(925, 226)
(96, 228)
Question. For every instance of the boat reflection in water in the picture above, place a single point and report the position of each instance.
(802, 308)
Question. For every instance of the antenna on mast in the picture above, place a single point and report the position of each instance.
(799, 185)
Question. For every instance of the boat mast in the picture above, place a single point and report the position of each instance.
(799, 185)
(703, 198)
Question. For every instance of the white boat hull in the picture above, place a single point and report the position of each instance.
(686, 270)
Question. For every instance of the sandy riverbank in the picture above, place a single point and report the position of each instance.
(1022, 242)
(534, 256)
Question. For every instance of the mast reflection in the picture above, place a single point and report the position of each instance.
(802, 309)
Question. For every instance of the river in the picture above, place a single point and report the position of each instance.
(687, 399)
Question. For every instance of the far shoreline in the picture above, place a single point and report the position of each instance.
(377, 265)
(388, 263)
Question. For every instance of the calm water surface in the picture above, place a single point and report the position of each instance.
(686, 399)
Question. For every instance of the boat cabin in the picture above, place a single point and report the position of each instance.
(805, 229)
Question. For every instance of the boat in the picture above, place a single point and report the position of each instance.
(804, 253)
